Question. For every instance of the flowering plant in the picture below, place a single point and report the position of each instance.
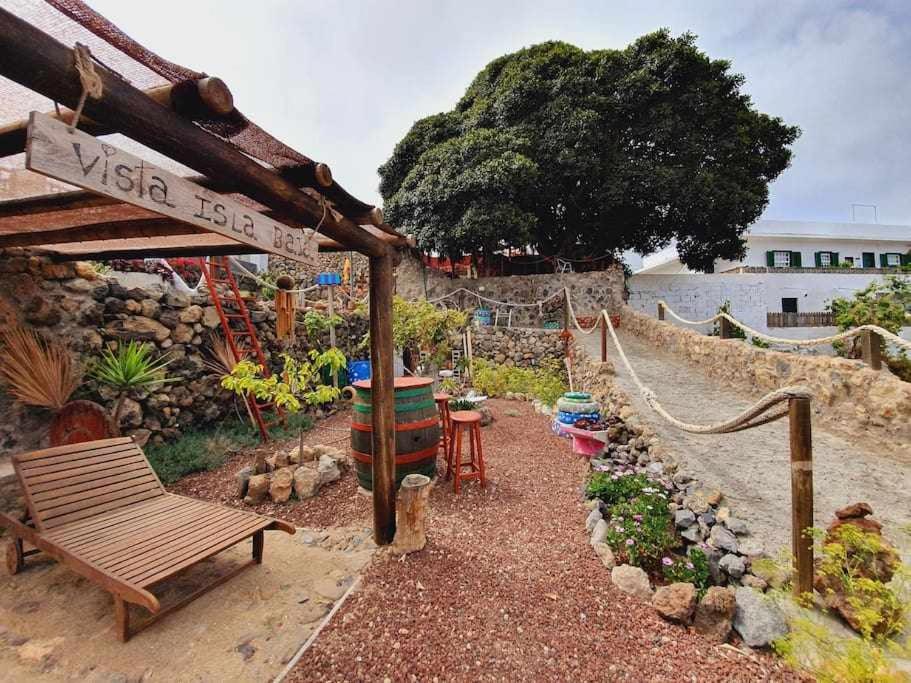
(692, 569)
(639, 529)
(612, 488)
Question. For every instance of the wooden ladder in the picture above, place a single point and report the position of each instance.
(232, 308)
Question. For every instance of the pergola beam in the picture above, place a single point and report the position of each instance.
(37, 61)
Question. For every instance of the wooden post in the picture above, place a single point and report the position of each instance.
(725, 328)
(660, 311)
(801, 493)
(383, 398)
(871, 349)
(412, 513)
(565, 309)
(331, 289)
(603, 336)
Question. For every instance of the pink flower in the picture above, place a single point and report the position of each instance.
(638, 518)
(630, 541)
(666, 561)
(689, 565)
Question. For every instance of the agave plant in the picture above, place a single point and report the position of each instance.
(130, 366)
(37, 372)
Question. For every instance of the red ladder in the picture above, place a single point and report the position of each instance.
(231, 308)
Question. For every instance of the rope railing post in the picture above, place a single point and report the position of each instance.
(603, 323)
(724, 325)
(660, 311)
(871, 349)
(801, 492)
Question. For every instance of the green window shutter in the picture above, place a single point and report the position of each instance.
(818, 259)
(833, 258)
(869, 259)
(883, 263)
(795, 259)
(906, 259)
(770, 258)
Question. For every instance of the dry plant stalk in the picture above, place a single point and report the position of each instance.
(37, 372)
(221, 360)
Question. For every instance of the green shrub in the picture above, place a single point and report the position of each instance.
(640, 530)
(616, 488)
(692, 569)
(546, 382)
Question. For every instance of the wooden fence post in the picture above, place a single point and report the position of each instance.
(871, 346)
(724, 328)
(603, 336)
(801, 492)
(660, 311)
(565, 309)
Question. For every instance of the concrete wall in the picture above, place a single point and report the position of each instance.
(752, 295)
(849, 396)
(590, 291)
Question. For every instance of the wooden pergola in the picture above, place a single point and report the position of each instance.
(167, 119)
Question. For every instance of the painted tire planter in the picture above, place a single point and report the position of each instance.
(571, 418)
(417, 430)
(567, 406)
(577, 396)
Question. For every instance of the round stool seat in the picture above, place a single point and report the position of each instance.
(465, 416)
(441, 396)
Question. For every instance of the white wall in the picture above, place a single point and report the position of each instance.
(758, 246)
(752, 295)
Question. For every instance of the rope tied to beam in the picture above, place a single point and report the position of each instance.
(753, 416)
(90, 80)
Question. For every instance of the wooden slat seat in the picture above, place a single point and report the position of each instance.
(99, 508)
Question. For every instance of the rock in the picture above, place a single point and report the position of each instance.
(182, 334)
(684, 519)
(737, 526)
(599, 532)
(632, 580)
(707, 519)
(40, 312)
(713, 497)
(751, 547)
(757, 618)
(603, 551)
(713, 557)
(675, 602)
(693, 533)
(140, 436)
(771, 573)
(715, 614)
(210, 317)
(722, 539)
(327, 469)
(681, 479)
(85, 270)
(722, 513)
(138, 327)
(243, 480)
(854, 511)
(150, 308)
(280, 486)
(306, 481)
(753, 581)
(190, 315)
(487, 417)
(593, 518)
(257, 489)
(176, 300)
(732, 565)
(279, 460)
(130, 414)
(696, 502)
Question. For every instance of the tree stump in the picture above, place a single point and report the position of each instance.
(14, 556)
(412, 514)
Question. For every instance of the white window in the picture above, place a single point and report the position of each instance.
(825, 259)
(893, 260)
(782, 259)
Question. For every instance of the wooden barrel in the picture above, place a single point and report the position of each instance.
(417, 430)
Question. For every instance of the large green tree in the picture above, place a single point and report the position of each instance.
(584, 153)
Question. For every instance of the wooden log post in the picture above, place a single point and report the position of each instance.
(383, 398)
(603, 321)
(410, 535)
(801, 493)
(871, 349)
(660, 311)
(724, 328)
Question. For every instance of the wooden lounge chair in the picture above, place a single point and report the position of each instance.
(100, 509)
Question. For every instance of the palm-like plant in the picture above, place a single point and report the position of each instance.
(128, 367)
(37, 372)
(221, 358)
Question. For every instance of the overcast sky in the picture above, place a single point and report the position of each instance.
(343, 81)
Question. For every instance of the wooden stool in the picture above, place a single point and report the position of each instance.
(460, 421)
(442, 400)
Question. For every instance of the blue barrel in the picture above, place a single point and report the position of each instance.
(482, 316)
(358, 370)
(328, 279)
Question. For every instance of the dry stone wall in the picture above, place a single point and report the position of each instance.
(847, 394)
(514, 346)
(71, 303)
(590, 291)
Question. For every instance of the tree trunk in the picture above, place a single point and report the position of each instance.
(412, 513)
(118, 412)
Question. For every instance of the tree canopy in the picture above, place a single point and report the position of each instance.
(584, 153)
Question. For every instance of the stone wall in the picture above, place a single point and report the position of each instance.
(590, 291)
(517, 346)
(847, 395)
(71, 303)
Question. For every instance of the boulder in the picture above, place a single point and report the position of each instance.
(696, 502)
(715, 614)
(721, 538)
(177, 300)
(757, 619)
(150, 308)
(593, 518)
(257, 489)
(328, 469)
(632, 580)
(138, 327)
(190, 315)
(210, 317)
(130, 414)
(675, 602)
(487, 417)
(85, 270)
(599, 532)
(693, 533)
(243, 480)
(737, 526)
(306, 481)
(280, 486)
(732, 565)
(751, 547)
(854, 511)
(182, 334)
(41, 313)
(603, 551)
(684, 518)
(753, 581)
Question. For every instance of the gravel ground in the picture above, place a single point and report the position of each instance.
(752, 467)
(508, 588)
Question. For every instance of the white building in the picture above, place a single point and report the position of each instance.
(791, 271)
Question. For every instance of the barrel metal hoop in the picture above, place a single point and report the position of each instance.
(404, 427)
(404, 408)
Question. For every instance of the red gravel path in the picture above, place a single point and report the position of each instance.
(507, 588)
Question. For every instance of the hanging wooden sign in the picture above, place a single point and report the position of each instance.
(87, 162)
